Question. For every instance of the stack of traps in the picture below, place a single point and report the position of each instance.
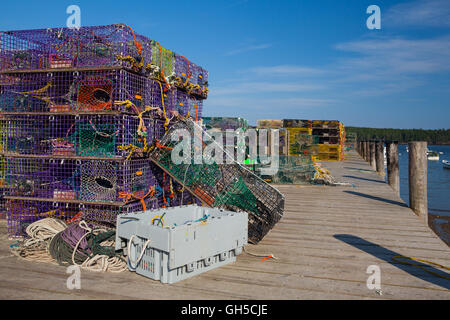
(229, 186)
(79, 110)
(174, 244)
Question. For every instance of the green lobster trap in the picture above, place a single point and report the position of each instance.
(224, 185)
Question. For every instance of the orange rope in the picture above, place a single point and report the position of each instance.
(128, 196)
(137, 44)
(76, 217)
(160, 145)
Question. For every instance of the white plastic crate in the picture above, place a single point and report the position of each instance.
(187, 241)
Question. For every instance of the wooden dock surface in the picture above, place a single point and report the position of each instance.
(324, 244)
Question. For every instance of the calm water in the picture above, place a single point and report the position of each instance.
(438, 189)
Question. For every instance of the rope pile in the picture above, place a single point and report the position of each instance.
(40, 233)
(323, 176)
(53, 241)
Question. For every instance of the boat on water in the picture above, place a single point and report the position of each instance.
(432, 155)
(446, 164)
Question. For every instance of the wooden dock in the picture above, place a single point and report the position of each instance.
(324, 244)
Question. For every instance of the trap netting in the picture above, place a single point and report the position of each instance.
(228, 185)
(297, 169)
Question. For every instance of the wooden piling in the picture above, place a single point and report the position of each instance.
(367, 150)
(379, 157)
(392, 166)
(418, 163)
(372, 159)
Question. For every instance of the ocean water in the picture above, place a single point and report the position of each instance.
(438, 189)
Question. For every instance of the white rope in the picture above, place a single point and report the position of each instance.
(40, 232)
(135, 263)
(98, 263)
(44, 229)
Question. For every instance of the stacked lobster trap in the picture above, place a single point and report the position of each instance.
(227, 185)
(79, 112)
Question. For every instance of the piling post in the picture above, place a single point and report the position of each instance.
(392, 166)
(372, 161)
(363, 151)
(418, 163)
(379, 157)
(367, 150)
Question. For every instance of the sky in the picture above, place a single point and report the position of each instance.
(299, 59)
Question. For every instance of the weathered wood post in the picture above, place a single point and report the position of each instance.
(372, 161)
(392, 166)
(418, 163)
(363, 151)
(361, 147)
(379, 157)
(367, 151)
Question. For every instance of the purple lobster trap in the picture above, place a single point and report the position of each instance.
(110, 45)
(190, 72)
(76, 179)
(77, 91)
(21, 213)
(77, 135)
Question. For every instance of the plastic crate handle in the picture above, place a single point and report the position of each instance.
(135, 263)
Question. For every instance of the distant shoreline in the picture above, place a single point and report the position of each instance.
(403, 136)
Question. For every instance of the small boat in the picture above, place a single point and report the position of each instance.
(446, 164)
(432, 155)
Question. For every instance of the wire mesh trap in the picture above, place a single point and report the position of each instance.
(297, 169)
(229, 186)
(76, 91)
(77, 135)
(110, 45)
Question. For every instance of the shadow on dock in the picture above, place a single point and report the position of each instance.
(386, 255)
(402, 204)
(371, 180)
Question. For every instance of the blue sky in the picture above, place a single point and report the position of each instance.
(292, 59)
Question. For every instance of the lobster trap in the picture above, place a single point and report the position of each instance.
(76, 179)
(325, 124)
(269, 123)
(77, 91)
(76, 135)
(189, 72)
(229, 186)
(55, 48)
(224, 123)
(303, 144)
(297, 169)
(295, 123)
(21, 213)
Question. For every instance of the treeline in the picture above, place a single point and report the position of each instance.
(440, 136)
